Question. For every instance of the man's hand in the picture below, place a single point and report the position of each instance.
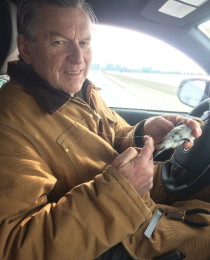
(158, 127)
(136, 165)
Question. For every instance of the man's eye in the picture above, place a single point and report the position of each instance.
(59, 42)
(84, 43)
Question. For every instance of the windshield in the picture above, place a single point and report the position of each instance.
(135, 70)
(205, 28)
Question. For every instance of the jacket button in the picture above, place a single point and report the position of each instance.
(67, 150)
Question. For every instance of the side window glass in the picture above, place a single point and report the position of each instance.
(135, 70)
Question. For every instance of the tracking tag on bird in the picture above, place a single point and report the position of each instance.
(153, 223)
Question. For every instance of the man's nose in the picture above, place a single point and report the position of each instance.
(75, 55)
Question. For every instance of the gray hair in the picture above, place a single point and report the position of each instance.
(28, 9)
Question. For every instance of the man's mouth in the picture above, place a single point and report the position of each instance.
(73, 72)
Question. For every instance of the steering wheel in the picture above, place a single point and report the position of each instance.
(189, 170)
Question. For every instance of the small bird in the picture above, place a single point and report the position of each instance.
(177, 136)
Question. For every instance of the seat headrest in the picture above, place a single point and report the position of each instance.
(8, 34)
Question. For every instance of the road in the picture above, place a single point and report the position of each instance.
(120, 91)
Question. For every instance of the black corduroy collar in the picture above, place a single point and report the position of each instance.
(50, 98)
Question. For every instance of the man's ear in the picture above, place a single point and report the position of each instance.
(23, 47)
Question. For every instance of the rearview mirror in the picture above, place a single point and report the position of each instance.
(192, 91)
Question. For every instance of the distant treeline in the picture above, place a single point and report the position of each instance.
(120, 68)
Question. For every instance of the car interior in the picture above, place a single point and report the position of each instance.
(176, 23)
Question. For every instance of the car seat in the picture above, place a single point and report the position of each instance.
(8, 34)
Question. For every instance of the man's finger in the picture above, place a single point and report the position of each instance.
(188, 145)
(197, 132)
(148, 148)
(195, 126)
(125, 157)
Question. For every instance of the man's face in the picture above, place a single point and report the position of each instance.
(61, 53)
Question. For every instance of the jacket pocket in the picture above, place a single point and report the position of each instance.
(89, 153)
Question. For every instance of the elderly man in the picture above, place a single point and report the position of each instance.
(72, 184)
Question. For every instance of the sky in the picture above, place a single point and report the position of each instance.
(134, 50)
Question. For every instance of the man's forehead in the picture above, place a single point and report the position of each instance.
(69, 31)
(86, 34)
(64, 20)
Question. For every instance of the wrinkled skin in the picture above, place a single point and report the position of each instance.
(158, 127)
(61, 55)
(61, 52)
(136, 164)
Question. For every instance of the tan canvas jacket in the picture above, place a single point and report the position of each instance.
(59, 196)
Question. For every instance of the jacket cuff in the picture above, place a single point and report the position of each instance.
(139, 134)
(143, 204)
(164, 156)
(134, 137)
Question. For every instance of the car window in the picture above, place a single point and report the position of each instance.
(205, 28)
(135, 70)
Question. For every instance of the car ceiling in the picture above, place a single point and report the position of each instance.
(137, 10)
(143, 16)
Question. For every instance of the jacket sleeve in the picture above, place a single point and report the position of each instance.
(87, 221)
(125, 134)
